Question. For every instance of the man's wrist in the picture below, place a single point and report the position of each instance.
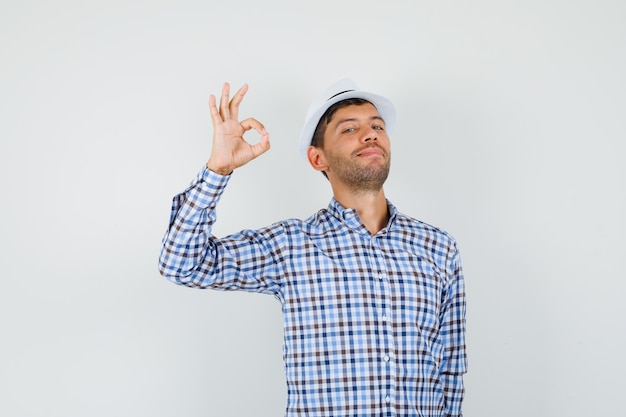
(220, 171)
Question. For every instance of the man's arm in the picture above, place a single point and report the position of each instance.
(190, 255)
(452, 333)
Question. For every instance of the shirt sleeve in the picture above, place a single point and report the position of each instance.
(192, 256)
(454, 362)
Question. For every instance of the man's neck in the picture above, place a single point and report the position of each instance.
(371, 206)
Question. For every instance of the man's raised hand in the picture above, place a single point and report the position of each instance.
(230, 150)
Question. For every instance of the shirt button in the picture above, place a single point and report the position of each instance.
(386, 358)
(384, 317)
(387, 399)
(381, 276)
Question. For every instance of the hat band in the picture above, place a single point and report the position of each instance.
(331, 97)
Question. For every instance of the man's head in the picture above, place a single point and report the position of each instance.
(352, 147)
(350, 139)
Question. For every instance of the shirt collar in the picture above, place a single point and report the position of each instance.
(350, 218)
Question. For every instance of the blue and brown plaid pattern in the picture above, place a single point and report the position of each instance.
(373, 325)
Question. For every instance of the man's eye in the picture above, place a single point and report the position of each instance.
(378, 127)
(349, 130)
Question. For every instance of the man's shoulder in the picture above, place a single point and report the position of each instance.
(317, 222)
(422, 229)
(320, 220)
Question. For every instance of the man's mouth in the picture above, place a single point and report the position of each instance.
(370, 151)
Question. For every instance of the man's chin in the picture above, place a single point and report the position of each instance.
(374, 165)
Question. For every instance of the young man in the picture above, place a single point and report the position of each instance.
(373, 300)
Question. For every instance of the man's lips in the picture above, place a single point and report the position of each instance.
(370, 151)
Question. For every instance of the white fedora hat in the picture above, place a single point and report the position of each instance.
(342, 90)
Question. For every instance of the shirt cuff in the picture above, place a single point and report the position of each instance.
(214, 179)
(204, 191)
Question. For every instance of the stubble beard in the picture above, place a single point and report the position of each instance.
(360, 178)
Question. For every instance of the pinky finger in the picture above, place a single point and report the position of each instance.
(215, 114)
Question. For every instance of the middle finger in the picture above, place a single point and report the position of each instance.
(237, 98)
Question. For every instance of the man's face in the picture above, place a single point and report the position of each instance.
(356, 148)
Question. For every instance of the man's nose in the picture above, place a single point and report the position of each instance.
(370, 135)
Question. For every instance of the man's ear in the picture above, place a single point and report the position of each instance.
(316, 158)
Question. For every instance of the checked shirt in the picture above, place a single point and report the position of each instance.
(373, 325)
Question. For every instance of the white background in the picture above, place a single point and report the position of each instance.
(510, 136)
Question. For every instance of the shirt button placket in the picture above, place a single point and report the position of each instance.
(388, 365)
(388, 346)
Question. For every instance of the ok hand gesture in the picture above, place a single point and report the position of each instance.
(230, 150)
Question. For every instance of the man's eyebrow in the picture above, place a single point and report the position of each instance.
(354, 119)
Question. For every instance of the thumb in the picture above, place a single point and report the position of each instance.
(262, 146)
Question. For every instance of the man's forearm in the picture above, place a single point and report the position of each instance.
(188, 237)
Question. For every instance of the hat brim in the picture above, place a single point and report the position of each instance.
(385, 108)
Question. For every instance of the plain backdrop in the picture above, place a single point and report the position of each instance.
(510, 136)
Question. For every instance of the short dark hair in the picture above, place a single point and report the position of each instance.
(320, 129)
